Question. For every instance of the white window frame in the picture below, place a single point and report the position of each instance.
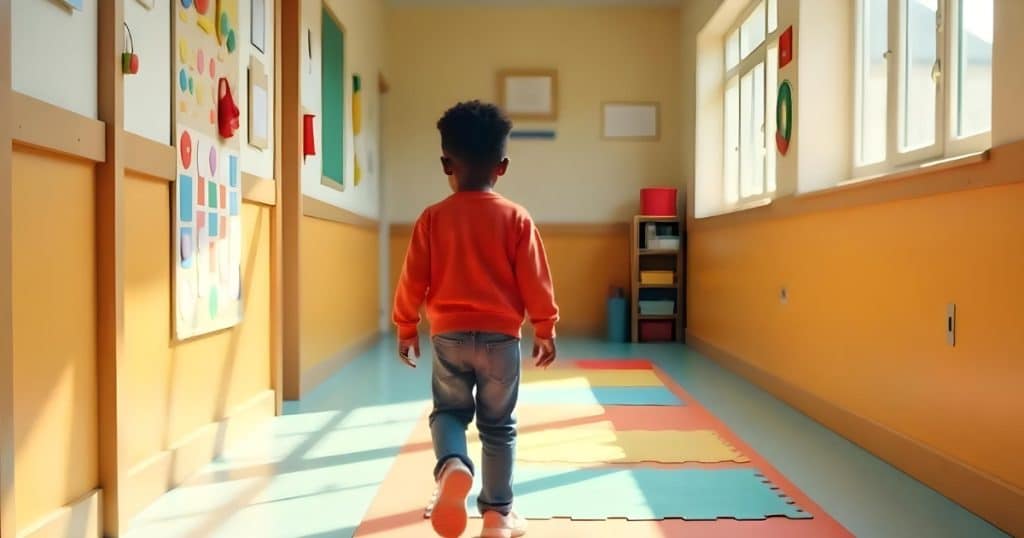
(733, 76)
(946, 142)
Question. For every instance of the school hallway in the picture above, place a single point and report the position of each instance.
(316, 470)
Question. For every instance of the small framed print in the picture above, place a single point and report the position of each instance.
(630, 121)
(529, 94)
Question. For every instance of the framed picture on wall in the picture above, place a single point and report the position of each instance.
(259, 105)
(630, 121)
(258, 25)
(529, 94)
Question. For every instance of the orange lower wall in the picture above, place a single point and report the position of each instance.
(171, 389)
(585, 261)
(865, 323)
(54, 307)
(339, 283)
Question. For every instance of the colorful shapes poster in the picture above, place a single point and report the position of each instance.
(208, 237)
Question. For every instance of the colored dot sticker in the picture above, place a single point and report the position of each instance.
(185, 149)
(191, 86)
(213, 161)
(183, 80)
(200, 61)
(213, 117)
(213, 68)
(231, 41)
(186, 3)
(224, 26)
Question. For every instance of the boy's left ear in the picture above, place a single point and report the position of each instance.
(502, 166)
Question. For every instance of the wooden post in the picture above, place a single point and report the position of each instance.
(6, 318)
(110, 258)
(276, 232)
(289, 202)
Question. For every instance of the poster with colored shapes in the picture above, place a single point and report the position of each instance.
(207, 233)
(208, 238)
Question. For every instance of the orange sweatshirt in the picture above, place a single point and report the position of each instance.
(478, 261)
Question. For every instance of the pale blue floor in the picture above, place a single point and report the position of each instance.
(313, 472)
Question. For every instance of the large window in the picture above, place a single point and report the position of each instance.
(751, 59)
(923, 76)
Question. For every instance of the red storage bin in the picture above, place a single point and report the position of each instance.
(658, 202)
(656, 330)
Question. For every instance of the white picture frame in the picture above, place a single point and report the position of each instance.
(258, 25)
(529, 94)
(623, 120)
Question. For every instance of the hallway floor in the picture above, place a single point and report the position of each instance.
(316, 471)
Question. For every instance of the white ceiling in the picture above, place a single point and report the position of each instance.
(533, 2)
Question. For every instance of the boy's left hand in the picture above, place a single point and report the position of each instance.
(407, 345)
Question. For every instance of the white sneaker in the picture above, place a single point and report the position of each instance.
(449, 516)
(499, 526)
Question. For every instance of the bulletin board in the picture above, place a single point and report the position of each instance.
(332, 60)
(207, 217)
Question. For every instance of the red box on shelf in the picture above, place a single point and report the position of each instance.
(656, 330)
(658, 202)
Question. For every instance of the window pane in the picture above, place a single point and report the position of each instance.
(872, 81)
(773, 15)
(919, 88)
(771, 96)
(752, 31)
(731, 172)
(974, 70)
(732, 50)
(752, 132)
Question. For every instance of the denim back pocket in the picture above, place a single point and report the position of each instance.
(502, 361)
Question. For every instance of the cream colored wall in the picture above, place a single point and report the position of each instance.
(54, 305)
(363, 24)
(171, 389)
(438, 56)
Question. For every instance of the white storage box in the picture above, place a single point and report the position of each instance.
(665, 243)
(657, 308)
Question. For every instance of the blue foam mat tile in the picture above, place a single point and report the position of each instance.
(639, 494)
(654, 396)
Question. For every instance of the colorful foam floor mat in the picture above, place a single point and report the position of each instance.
(637, 464)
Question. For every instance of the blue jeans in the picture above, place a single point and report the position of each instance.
(490, 363)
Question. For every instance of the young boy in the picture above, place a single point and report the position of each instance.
(478, 262)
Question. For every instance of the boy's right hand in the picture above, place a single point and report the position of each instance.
(544, 352)
(407, 345)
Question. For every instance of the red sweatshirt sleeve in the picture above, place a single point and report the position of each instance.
(534, 278)
(415, 279)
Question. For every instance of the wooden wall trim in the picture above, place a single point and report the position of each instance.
(1002, 165)
(311, 207)
(149, 157)
(983, 494)
(259, 190)
(7, 500)
(289, 200)
(42, 125)
(276, 234)
(317, 374)
(110, 238)
(549, 228)
(145, 482)
(80, 519)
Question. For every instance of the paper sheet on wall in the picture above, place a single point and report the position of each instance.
(207, 231)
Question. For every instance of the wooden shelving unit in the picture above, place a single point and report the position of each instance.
(643, 259)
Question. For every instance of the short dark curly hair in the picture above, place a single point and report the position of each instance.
(475, 132)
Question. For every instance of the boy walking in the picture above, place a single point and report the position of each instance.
(477, 261)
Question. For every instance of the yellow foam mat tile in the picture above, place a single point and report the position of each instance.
(601, 443)
(574, 378)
